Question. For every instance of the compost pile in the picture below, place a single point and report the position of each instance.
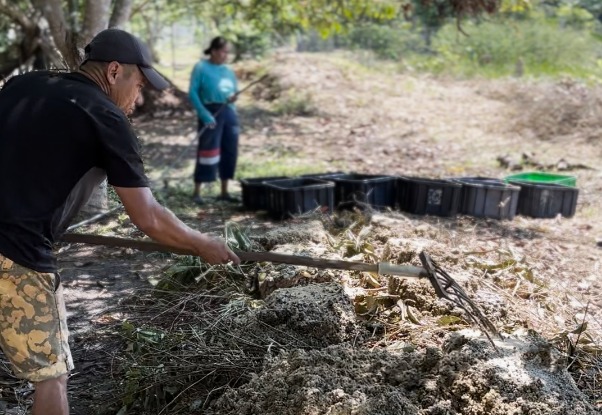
(349, 344)
(466, 375)
(349, 363)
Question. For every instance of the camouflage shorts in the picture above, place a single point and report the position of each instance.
(33, 323)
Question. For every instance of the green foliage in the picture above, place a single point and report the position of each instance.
(505, 47)
(236, 237)
(277, 164)
(575, 16)
(561, 38)
(327, 17)
(248, 40)
(594, 7)
(254, 25)
(288, 17)
(432, 14)
(517, 8)
(181, 274)
(522, 40)
(386, 41)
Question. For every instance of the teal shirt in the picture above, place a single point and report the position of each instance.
(210, 84)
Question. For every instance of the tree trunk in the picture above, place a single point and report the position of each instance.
(96, 18)
(69, 40)
(52, 11)
(152, 30)
(122, 11)
(427, 35)
(36, 48)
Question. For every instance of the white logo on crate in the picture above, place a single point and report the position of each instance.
(544, 198)
(435, 196)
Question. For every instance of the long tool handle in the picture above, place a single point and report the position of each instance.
(256, 81)
(150, 246)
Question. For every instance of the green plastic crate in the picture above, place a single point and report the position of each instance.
(538, 177)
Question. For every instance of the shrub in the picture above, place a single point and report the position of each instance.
(387, 42)
(295, 103)
(555, 108)
(540, 46)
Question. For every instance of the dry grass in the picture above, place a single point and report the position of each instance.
(552, 109)
(184, 347)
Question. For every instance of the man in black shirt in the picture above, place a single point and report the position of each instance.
(61, 134)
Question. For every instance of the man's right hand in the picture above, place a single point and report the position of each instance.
(215, 251)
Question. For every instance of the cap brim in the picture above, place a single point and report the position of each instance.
(153, 77)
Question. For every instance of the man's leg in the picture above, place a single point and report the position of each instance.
(34, 335)
(50, 397)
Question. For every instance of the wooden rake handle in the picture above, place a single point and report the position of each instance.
(150, 246)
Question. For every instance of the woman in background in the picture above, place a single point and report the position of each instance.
(213, 91)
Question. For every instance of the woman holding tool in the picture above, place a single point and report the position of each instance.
(213, 91)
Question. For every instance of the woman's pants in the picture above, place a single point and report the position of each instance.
(218, 146)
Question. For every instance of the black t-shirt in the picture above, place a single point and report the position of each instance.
(57, 131)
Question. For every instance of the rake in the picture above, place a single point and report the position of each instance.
(444, 285)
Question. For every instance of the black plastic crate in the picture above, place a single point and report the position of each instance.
(324, 176)
(546, 200)
(377, 191)
(480, 179)
(428, 196)
(254, 192)
(294, 196)
(484, 197)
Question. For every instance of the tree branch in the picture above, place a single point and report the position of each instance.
(52, 11)
(139, 8)
(16, 14)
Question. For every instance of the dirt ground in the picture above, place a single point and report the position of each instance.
(372, 345)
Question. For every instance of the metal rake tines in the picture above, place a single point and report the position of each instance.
(446, 287)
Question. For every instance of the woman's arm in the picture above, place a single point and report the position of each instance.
(232, 98)
(196, 80)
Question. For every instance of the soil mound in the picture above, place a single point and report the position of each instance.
(322, 314)
(466, 376)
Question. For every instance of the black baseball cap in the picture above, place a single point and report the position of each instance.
(120, 46)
